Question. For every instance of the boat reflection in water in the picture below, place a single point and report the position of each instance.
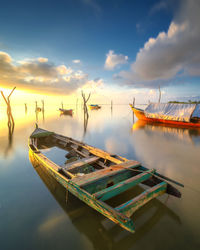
(101, 232)
(189, 135)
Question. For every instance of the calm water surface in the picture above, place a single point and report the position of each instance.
(37, 213)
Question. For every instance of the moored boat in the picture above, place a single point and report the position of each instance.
(94, 106)
(66, 111)
(182, 118)
(38, 109)
(95, 176)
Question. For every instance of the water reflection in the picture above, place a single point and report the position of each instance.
(39, 110)
(189, 135)
(174, 152)
(85, 123)
(101, 232)
(11, 122)
(11, 126)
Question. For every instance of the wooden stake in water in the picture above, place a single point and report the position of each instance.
(25, 107)
(159, 95)
(11, 123)
(9, 111)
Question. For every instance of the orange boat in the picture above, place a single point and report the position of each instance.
(140, 114)
(94, 106)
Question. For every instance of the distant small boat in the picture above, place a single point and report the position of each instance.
(181, 115)
(94, 106)
(95, 176)
(66, 111)
(38, 109)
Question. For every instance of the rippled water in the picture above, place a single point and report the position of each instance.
(37, 213)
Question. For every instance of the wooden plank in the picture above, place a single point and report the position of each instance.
(109, 171)
(121, 187)
(102, 154)
(131, 206)
(84, 154)
(79, 163)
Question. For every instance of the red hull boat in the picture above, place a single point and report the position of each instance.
(140, 114)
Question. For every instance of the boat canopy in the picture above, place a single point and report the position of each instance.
(196, 112)
(170, 111)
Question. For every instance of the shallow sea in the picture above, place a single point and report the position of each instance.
(37, 213)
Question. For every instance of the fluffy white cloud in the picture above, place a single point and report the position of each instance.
(94, 85)
(63, 70)
(40, 75)
(76, 61)
(113, 60)
(171, 52)
(42, 59)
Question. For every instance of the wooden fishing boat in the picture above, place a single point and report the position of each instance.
(66, 111)
(140, 114)
(38, 109)
(80, 215)
(94, 106)
(95, 176)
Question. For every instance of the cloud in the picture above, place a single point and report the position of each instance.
(94, 85)
(42, 59)
(159, 6)
(63, 70)
(170, 53)
(40, 75)
(113, 60)
(76, 61)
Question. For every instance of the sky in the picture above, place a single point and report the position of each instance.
(115, 49)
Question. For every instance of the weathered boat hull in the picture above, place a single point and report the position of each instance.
(102, 208)
(97, 176)
(139, 113)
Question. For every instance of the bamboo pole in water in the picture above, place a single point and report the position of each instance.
(86, 115)
(159, 95)
(9, 110)
(11, 123)
(133, 101)
(25, 107)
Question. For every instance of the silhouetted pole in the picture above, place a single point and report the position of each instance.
(133, 106)
(25, 107)
(11, 123)
(159, 95)
(43, 110)
(42, 105)
(86, 116)
(9, 111)
(36, 106)
(36, 111)
(85, 100)
(133, 101)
